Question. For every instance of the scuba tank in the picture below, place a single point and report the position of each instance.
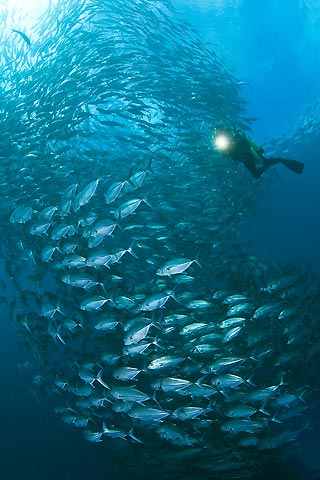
(254, 146)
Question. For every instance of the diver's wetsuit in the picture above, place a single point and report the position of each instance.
(243, 150)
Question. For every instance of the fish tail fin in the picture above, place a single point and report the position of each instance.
(263, 410)
(249, 380)
(104, 427)
(146, 201)
(156, 343)
(130, 434)
(196, 260)
(172, 294)
(275, 419)
(102, 285)
(132, 244)
(99, 379)
(301, 396)
(59, 336)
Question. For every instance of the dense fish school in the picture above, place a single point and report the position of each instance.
(153, 330)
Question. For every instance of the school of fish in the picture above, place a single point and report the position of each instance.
(153, 329)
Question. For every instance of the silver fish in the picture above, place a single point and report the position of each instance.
(22, 214)
(156, 301)
(128, 394)
(129, 207)
(94, 302)
(241, 425)
(170, 384)
(147, 414)
(126, 373)
(114, 191)
(80, 280)
(84, 195)
(177, 266)
(164, 362)
(188, 413)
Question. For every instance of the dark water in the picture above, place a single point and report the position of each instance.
(275, 53)
(35, 443)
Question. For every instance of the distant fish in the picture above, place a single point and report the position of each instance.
(23, 35)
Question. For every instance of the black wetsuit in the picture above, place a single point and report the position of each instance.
(244, 150)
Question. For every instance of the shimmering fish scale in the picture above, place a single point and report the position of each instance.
(84, 195)
(114, 191)
(94, 302)
(39, 228)
(148, 414)
(175, 267)
(155, 301)
(21, 214)
(80, 280)
(128, 394)
(129, 207)
(74, 261)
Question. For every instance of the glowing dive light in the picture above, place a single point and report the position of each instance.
(222, 142)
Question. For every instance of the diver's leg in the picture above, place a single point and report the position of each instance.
(273, 160)
(259, 159)
(250, 165)
(261, 170)
(267, 162)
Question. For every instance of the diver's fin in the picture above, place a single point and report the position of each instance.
(293, 165)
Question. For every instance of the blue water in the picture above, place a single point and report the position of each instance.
(273, 48)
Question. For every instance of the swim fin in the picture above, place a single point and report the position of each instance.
(293, 165)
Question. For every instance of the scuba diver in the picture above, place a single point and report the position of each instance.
(237, 145)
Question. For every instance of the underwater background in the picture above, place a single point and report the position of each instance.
(265, 80)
